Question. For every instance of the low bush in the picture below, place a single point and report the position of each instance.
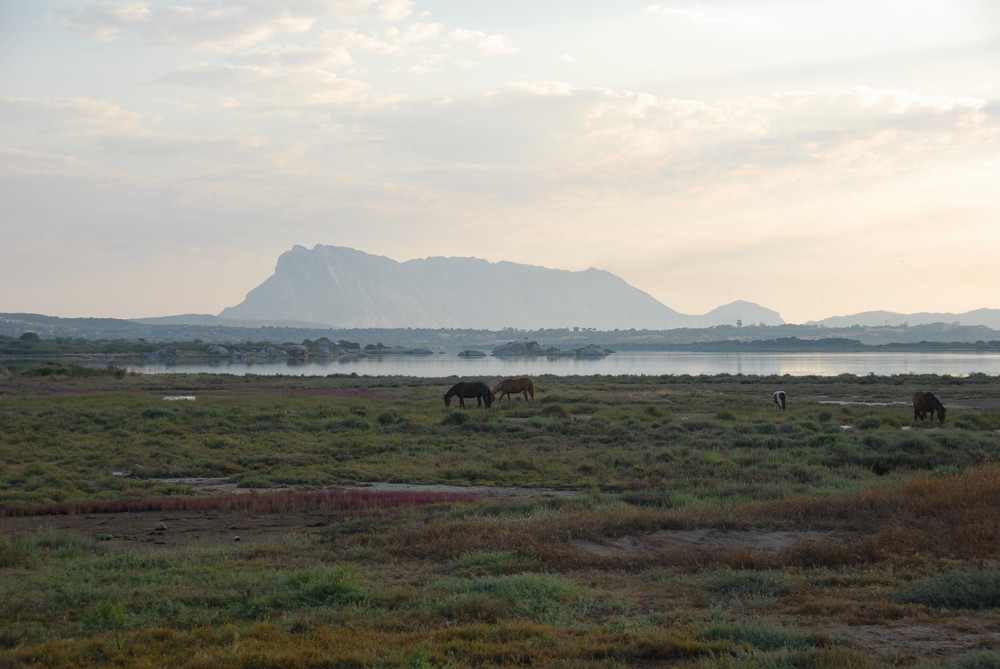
(969, 589)
(766, 637)
(752, 583)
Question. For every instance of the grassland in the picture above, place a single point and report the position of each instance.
(685, 522)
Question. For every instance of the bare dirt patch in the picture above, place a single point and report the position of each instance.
(221, 485)
(918, 640)
(175, 528)
(179, 528)
(961, 403)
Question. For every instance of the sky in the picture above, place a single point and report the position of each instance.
(817, 158)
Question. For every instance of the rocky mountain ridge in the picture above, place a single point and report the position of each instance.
(345, 288)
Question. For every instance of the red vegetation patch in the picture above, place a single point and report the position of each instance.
(345, 503)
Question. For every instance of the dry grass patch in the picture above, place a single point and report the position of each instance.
(948, 517)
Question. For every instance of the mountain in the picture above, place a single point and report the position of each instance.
(740, 311)
(987, 317)
(346, 288)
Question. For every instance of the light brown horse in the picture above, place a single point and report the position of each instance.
(523, 385)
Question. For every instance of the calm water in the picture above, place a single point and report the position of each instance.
(648, 363)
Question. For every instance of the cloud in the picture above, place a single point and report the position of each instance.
(488, 44)
(703, 14)
(565, 136)
(266, 90)
(293, 57)
(67, 117)
(575, 144)
(213, 25)
(18, 161)
(102, 22)
(275, 55)
(396, 10)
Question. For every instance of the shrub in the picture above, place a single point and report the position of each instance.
(979, 659)
(153, 413)
(320, 586)
(555, 411)
(254, 480)
(455, 418)
(762, 427)
(536, 597)
(488, 563)
(765, 637)
(750, 582)
(355, 422)
(972, 589)
(869, 423)
(387, 418)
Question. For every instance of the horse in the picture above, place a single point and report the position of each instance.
(523, 385)
(470, 389)
(779, 399)
(925, 404)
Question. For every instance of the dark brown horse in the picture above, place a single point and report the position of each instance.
(523, 385)
(925, 404)
(470, 389)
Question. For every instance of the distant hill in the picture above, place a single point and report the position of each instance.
(346, 288)
(209, 319)
(212, 329)
(986, 317)
(739, 311)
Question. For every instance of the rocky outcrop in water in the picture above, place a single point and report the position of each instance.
(516, 349)
(166, 355)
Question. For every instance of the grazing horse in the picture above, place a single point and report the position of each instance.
(470, 389)
(925, 404)
(779, 399)
(523, 385)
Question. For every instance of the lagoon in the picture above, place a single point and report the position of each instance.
(647, 363)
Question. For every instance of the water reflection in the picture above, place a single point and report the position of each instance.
(631, 363)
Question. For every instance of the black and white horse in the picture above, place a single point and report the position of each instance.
(779, 398)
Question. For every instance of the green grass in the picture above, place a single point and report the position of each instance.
(908, 510)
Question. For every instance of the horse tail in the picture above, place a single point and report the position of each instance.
(531, 387)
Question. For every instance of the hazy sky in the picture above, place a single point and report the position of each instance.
(817, 158)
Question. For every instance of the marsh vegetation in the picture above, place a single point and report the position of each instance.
(675, 521)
